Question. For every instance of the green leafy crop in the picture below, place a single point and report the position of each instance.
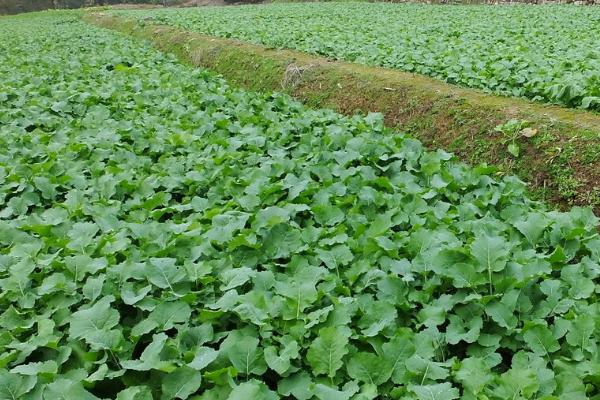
(545, 53)
(164, 236)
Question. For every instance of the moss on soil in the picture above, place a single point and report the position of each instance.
(561, 162)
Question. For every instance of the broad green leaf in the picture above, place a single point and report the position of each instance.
(379, 315)
(516, 383)
(245, 355)
(439, 391)
(532, 226)
(474, 375)
(167, 314)
(396, 352)
(570, 387)
(225, 225)
(81, 235)
(14, 386)
(491, 253)
(327, 350)
(181, 383)
(282, 241)
(300, 293)
(135, 393)
(463, 330)
(95, 324)
(297, 385)
(580, 332)
(163, 272)
(279, 361)
(501, 314)
(203, 357)
(35, 368)
(270, 217)
(369, 368)
(426, 369)
(325, 392)
(252, 390)
(67, 389)
(335, 257)
(150, 357)
(540, 340)
(93, 288)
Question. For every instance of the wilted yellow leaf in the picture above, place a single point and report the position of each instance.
(529, 132)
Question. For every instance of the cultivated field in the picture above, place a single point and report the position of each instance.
(166, 236)
(546, 53)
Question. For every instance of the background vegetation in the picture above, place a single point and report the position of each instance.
(20, 6)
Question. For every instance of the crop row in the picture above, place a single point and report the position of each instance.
(545, 53)
(165, 236)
